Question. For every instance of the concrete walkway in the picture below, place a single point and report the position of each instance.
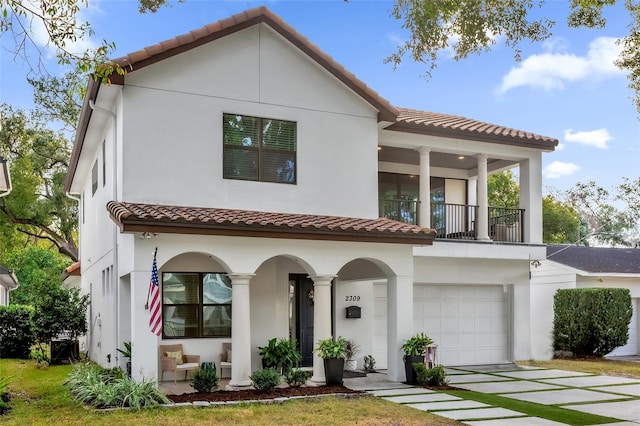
(615, 397)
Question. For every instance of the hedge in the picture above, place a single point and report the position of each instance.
(16, 335)
(591, 321)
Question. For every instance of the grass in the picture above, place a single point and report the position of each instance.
(39, 398)
(593, 366)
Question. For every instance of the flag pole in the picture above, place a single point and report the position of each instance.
(146, 305)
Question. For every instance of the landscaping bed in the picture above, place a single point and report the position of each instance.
(252, 394)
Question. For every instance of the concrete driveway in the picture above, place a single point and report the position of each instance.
(601, 399)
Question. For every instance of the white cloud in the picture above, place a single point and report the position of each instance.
(552, 70)
(559, 169)
(560, 147)
(42, 39)
(597, 138)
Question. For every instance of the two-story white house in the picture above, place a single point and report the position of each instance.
(279, 190)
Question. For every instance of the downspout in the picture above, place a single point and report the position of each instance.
(15, 280)
(115, 274)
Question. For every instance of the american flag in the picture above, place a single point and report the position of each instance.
(155, 321)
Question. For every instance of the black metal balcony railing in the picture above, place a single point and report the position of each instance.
(458, 221)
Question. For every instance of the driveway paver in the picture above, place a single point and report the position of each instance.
(564, 396)
(505, 387)
(626, 410)
(479, 413)
(633, 390)
(448, 405)
(472, 378)
(400, 391)
(522, 421)
(432, 397)
(541, 374)
(585, 382)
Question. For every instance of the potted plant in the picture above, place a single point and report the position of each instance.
(414, 350)
(280, 354)
(352, 350)
(333, 352)
(126, 352)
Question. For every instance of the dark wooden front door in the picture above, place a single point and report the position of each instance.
(304, 315)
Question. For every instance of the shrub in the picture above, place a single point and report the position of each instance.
(430, 376)
(16, 335)
(591, 321)
(265, 380)
(369, 364)
(205, 379)
(4, 395)
(101, 387)
(41, 354)
(281, 354)
(296, 378)
(331, 348)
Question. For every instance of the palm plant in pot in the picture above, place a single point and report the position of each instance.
(126, 352)
(333, 352)
(281, 354)
(414, 349)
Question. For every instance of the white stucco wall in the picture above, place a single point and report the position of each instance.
(173, 129)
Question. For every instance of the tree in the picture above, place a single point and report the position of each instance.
(503, 190)
(472, 26)
(560, 222)
(37, 207)
(606, 223)
(38, 270)
(59, 99)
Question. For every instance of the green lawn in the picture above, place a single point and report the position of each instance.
(39, 398)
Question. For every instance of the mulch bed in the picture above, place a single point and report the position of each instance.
(252, 394)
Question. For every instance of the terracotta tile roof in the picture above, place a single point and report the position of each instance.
(133, 217)
(465, 128)
(595, 260)
(164, 49)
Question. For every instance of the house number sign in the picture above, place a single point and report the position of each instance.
(352, 298)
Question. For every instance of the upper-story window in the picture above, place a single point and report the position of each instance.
(94, 178)
(260, 149)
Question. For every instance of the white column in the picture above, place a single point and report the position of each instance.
(321, 320)
(144, 344)
(399, 323)
(424, 209)
(482, 221)
(531, 198)
(240, 330)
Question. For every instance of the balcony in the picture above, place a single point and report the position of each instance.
(457, 221)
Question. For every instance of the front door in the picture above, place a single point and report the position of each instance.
(303, 288)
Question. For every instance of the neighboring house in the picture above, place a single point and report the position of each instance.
(8, 282)
(579, 267)
(279, 190)
(71, 277)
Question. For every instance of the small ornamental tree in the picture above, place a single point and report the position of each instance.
(16, 336)
(591, 321)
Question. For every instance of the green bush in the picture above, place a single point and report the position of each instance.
(4, 395)
(16, 335)
(101, 387)
(205, 379)
(265, 380)
(296, 378)
(591, 321)
(281, 354)
(430, 376)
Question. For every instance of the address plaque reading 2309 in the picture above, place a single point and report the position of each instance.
(352, 298)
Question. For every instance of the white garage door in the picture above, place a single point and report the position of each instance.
(631, 348)
(469, 323)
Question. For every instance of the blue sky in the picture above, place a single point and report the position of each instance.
(566, 88)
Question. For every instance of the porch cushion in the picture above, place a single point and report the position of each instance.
(187, 366)
(177, 355)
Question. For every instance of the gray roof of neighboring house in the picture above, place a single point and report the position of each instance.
(597, 259)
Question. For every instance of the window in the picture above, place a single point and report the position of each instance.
(196, 304)
(260, 149)
(94, 178)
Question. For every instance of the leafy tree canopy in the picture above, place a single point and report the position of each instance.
(37, 207)
(560, 222)
(472, 26)
(503, 190)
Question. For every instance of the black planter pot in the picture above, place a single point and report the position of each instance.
(408, 368)
(333, 370)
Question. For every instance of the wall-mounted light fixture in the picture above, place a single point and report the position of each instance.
(535, 263)
(147, 235)
(5, 178)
